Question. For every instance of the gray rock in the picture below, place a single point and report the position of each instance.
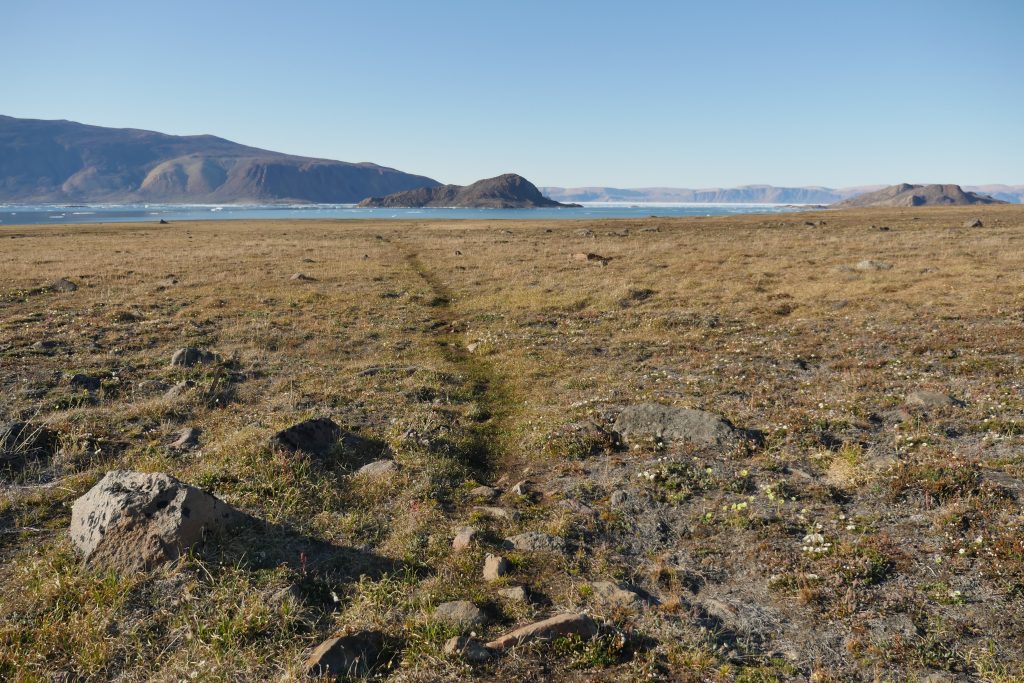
(484, 493)
(675, 425)
(974, 223)
(468, 649)
(318, 436)
(928, 400)
(188, 438)
(132, 520)
(301, 277)
(460, 613)
(87, 382)
(356, 654)
(180, 389)
(494, 512)
(611, 595)
(555, 627)
(536, 541)
(464, 538)
(869, 264)
(63, 285)
(514, 594)
(495, 567)
(378, 468)
(190, 356)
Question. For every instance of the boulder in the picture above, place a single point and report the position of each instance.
(133, 520)
(536, 541)
(591, 258)
(484, 493)
(974, 223)
(87, 382)
(189, 356)
(555, 627)
(675, 425)
(460, 613)
(318, 436)
(495, 567)
(301, 277)
(355, 654)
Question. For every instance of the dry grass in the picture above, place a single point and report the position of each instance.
(762, 319)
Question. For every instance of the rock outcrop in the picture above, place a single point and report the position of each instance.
(906, 194)
(509, 191)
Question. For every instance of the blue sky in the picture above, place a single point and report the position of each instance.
(629, 94)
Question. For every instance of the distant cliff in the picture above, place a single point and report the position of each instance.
(747, 194)
(509, 191)
(63, 161)
(906, 194)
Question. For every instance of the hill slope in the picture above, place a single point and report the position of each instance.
(905, 194)
(509, 191)
(64, 161)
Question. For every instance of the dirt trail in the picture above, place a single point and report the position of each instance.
(491, 437)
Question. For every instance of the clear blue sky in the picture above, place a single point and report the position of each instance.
(629, 94)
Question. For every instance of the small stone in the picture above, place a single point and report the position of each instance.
(591, 258)
(87, 382)
(378, 468)
(928, 400)
(974, 223)
(495, 567)
(189, 356)
(188, 438)
(467, 648)
(318, 436)
(460, 613)
(493, 512)
(556, 627)
(472, 347)
(484, 493)
(63, 285)
(618, 497)
(869, 264)
(301, 277)
(522, 488)
(514, 594)
(180, 389)
(613, 596)
(464, 538)
(536, 541)
(355, 654)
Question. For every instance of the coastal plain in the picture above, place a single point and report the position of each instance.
(862, 521)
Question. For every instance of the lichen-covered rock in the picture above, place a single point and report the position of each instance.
(675, 425)
(461, 614)
(534, 541)
(133, 521)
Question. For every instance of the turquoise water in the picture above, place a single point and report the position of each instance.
(56, 214)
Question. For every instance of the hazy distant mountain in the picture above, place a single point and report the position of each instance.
(748, 194)
(1008, 193)
(509, 191)
(63, 161)
(905, 194)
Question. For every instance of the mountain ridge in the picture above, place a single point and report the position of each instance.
(65, 161)
(905, 194)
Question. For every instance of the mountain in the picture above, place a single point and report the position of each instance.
(747, 194)
(509, 191)
(64, 161)
(905, 194)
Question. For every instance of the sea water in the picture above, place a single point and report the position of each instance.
(58, 214)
